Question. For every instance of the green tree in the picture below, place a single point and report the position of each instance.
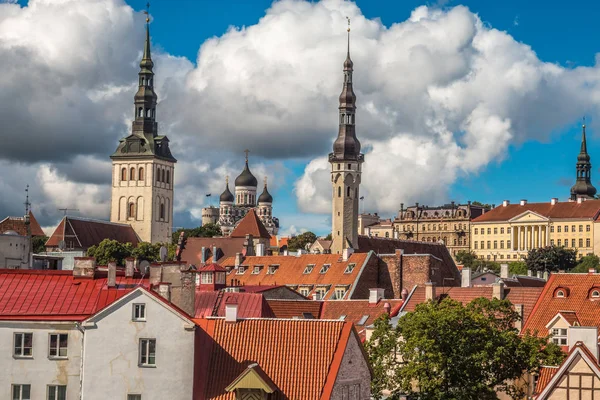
(551, 258)
(329, 237)
(38, 244)
(478, 203)
(147, 251)
(299, 242)
(517, 268)
(587, 262)
(466, 258)
(110, 250)
(449, 351)
(208, 230)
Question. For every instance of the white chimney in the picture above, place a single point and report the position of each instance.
(430, 291)
(553, 201)
(504, 271)
(238, 259)
(523, 202)
(231, 310)
(505, 203)
(466, 277)
(539, 274)
(285, 252)
(587, 335)
(315, 296)
(346, 253)
(579, 200)
(260, 249)
(519, 322)
(591, 270)
(529, 272)
(375, 295)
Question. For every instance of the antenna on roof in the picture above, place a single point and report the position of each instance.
(66, 210)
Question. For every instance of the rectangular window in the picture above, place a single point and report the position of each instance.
(502, 230)
(572, 242)
(324, 268)
(587, 228)
(308, 269)
(558, 229)
(139, 312)
(272, 269)
(21, 392)
(551, 228)
(558, 242)
(566, 228)
(551, 242)
(23, 345)
(489, 231)
(587, 242)
(476, 231)
(320, 293)
(206, 278)
(339, 293)
(58, 345)
(573, 228)
(489, 244)
(304, 291)
(507, 230)
(482, 245)
(57, 392)
(502, 244)
(495, 231)
(580, 242)
(241, 270)
(508, 244)
(147, 352)
(475, 243)
(134, 397)
(495, 244)
(256, 270)
(580, 228)
(559, 336)
(349, 268)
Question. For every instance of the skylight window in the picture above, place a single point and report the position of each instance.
(308, 269)
(363, 320)
(324, 268)
(349, 268)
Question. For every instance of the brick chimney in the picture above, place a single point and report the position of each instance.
(84, 267)
(129, 263)
(111, 282)
(466, 277)
(387, 307)
(498, 290)
(430, 291)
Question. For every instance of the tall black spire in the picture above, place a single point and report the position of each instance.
(347, 146)
(583, 185)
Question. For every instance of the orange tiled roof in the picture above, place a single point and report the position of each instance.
(588, 209)
(17, 224)
(355, 310)
(301, 357)
(291, 271)
(578, 301)
(212, 304)
(252, 225)
(295, 308)
(546, 373)
(225, 247)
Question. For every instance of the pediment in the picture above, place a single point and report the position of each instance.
(529, 216)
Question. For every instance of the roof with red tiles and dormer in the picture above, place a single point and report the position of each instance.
(250, 305)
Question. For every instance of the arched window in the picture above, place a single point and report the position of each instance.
(595, 294)
(141, 174)
(162, 211)
(132, 174)
(168, 176)
(124, 174)
(149, 81)
(560, 293)
(157, 175)
(140, 112)
(142, 79)
(148, 113)
(348, 191)
(339, 191)
(131, 210)
(162, 176)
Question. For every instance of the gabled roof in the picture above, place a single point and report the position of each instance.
(544, 376)
(588, 209)
(296, 308)
(301, 357)
(85, 233)
(577, 301)
(225, 246)
(252, 225)
(570, 317)
(212, 267)
(57, 295)
(253, 377)
(17, 224)
(290, 270)
(250, 305)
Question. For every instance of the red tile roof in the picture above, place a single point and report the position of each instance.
(211, 268)
(295, 308)
(84, 233)
(356, 310)
(291, 271)
(252, 225)
(545, 374)
(301, 357)
(250, 305)
(226, 247)
(17, 224)
(56, 295)
(589, 209)
(578, 301)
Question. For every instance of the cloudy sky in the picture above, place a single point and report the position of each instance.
(456, 100)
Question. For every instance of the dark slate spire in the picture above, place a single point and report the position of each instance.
(144, 139)
(583, 185)
(347, 146)
(227, 195)
(265, 196)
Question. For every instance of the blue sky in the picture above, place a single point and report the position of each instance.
(535, 169)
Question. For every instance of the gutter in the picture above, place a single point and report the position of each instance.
(82, 330)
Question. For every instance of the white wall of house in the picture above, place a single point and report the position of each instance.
(354, 378)
(112, 339)
(39, 370)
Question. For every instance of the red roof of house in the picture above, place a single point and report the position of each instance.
(225, 247)
(84, 233)
(295, 308)
(57, 295)
(545, 374)
(301, 357)
(291, 269)
(17, 224)
(356, 310)
(252, 225)
(577, 301)
(571, 209)
(250, 305)
(212, 267)
(527, 296)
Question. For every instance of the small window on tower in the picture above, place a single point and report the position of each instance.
(339, 191)
(141, 174)
(132, 174)
(168, 176)
(149, 81)
(124, 174)
(148, 113)
(131, 210)
(142, 81)
(348, 191)
(162, 211)
(140, 112)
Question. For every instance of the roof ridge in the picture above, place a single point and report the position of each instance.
(96, 221)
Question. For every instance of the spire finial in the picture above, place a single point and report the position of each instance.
(27, 203)
(147, 57)
(348, 18)
(246, 151)
(147, 12)
(265, 181)
(227, 180)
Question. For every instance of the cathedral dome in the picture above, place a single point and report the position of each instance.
(265, 196)
(246, 178)
(583, 189)
(227, 195)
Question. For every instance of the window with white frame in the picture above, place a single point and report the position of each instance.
(320, 292)
(206, 278)
(23, 345)
(241, 270)
(134, 397)
(256, 269)
(57, 392)
(304, 291)
(272, 269)
(308, 269)
(339, 293)
(147, 352)
(139, 312)
(21, 392)
(324, 268)
(58, 345)
(349, 268)
(559, 336)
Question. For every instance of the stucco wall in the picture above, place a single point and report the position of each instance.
(39, 371)
(14, 251)
(111, 354)
(354, 374)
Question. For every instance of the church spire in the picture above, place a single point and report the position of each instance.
(583, 185)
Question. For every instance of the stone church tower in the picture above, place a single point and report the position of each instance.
(346, 161)
(143, 167)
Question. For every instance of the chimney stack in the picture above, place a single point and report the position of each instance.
(519, 310)
(466, 277)
(505, 203)
(375, 295)
(387, 307)
(214, 256)
(84, 267)
(346, 253)
(529, 272)
(164, 290)
(111, 280)
(523, 202)
(155, 274)
(430, 291)
(249, 245)
(238, 259)
(587, 335)
(580, 200)
(503, 271)
(498, 290)
(539, 274)
(260, 249)
(591, 270)
(231, 311)
(553, 201)
(129, 261)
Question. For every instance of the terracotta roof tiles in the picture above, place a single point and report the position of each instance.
(588, 209)
(250, 305)
(545, 375)
(252, 225)
(295, 308)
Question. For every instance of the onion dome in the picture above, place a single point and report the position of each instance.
(265, 196)
(246, 178)
(227, 195)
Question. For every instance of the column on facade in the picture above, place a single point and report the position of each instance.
(547, 235)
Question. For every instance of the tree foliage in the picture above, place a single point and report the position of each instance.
(587, 262)
(478, 203)
(300, 241)
(208, 230)
(517, 268)
(448, 351)
(469, 260)
(38, 244)
(111, 250)
(551, 258)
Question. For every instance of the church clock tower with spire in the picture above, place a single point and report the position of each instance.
(346, 160)
(583, 187)
(143, 167)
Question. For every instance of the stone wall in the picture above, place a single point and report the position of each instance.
(354, 378)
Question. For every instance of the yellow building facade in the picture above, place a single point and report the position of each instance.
(509, 231)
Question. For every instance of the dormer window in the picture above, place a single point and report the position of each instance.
(206, 278)
(561, 293)
(256, 269)
(308, 269)
(324, 268)
(272, 269)
(349, 268)
(241, 269)
(595, 293)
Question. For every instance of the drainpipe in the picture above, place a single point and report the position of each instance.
(82, 330)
